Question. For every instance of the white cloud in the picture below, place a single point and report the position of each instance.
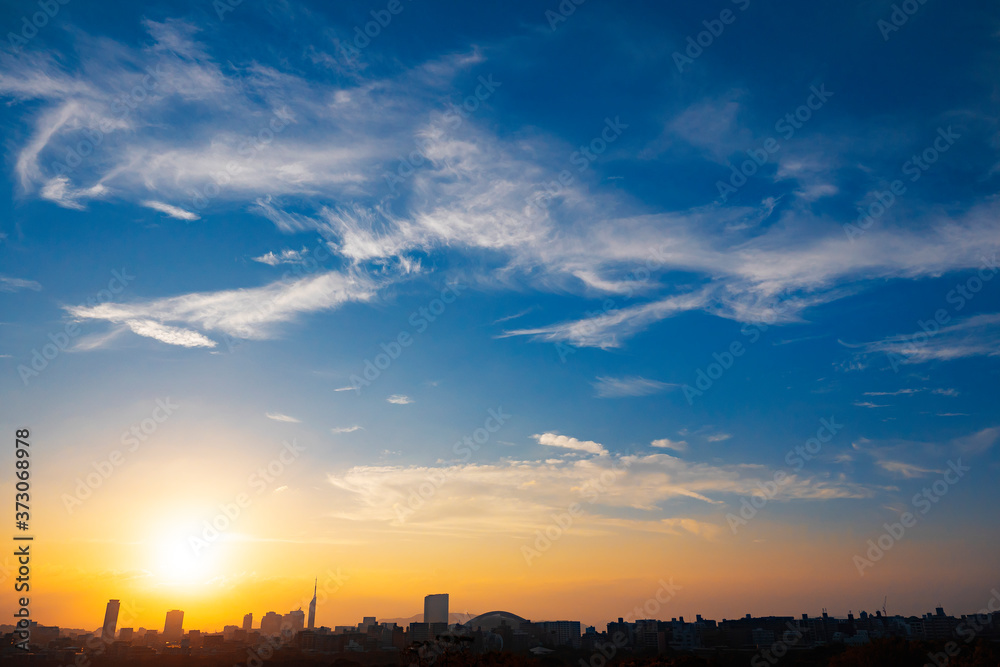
(633, 385)
(667, 443)
(279, 417)
(718, 437)
(977, 336)
(59, 191)
(347, 429)
(907, 470)
(15, 284)
(565, 442)
(898, 392)
(517, 497)
(285, 257)
(399, 399)
(172, 211)
(244, 313)
(473, 191)
(168, 334)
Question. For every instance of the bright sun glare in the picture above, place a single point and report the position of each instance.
(180, 561)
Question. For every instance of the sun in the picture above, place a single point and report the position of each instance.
(178, 558)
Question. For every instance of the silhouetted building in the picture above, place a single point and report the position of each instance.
(248, 621)
(271, 624)
(436, 608)
(173, 628)
(110, 621)
(312, 608)
(294, 620)
(125, 634)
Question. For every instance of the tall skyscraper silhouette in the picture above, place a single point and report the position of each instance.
(436, 608)
(110, 621)
(173, 628)
(312, 607)
(248, 621)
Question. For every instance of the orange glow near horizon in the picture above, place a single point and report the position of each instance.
(131, 539)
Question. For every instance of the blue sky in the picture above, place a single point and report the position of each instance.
(282, 197)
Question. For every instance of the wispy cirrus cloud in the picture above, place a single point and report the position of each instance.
(399, 399)
(284, 257)
(907, 470)
(17, 284)
(280, 417)
(912, 459)
(247, 313)
(172, 211)
(168, 334)
(346, 429)
(632, 385)
(474, 190)
(518, 496)
(977, 336)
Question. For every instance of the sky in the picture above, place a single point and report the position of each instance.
(550, 306)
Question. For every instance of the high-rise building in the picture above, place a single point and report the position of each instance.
(248, 621)
(436, 608)
(125, 634)
(312, 608)
(110, 620)
(271, 624)
(173, 628)
(293, 620)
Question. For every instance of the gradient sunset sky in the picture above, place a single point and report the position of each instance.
(616, 246)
